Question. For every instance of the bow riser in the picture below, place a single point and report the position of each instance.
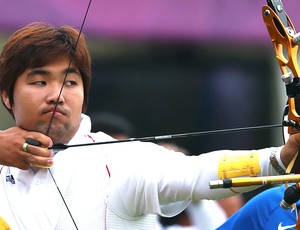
(285, 39)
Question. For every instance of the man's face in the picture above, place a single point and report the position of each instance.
(36, 93)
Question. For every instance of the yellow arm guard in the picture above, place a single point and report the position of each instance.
(4, 225)
(237, 165)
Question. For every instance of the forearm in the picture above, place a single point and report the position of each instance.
(215, 166)
(177, 178)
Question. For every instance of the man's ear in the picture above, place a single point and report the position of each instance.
(6, 101)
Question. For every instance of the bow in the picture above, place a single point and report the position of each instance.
(285, 40)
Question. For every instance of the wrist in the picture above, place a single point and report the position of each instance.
(276, 162)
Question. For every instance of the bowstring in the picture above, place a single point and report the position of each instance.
(57, 102)
(69, 66)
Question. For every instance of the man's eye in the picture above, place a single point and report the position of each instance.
(38, 83)
(70, 83)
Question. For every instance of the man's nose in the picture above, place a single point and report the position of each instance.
(55, 94)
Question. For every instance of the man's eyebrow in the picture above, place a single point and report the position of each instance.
(71, 70)
(45, 72)
(34, 72)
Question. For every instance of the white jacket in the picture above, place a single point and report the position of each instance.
(112, 186)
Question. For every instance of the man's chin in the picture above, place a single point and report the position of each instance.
(60, 135)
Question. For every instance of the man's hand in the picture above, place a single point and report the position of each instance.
(12, 153)
(290, 149)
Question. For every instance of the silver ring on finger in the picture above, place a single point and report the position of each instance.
(25, 146)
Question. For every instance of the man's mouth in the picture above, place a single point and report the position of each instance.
(57, 111)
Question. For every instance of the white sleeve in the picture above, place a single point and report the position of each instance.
(160, 181)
